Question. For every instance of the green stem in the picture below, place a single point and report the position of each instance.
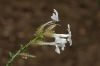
(20, 51)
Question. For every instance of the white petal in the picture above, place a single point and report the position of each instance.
(70, 41)
(55, 16)
(68, 26)
(69, 29)
(69, 38)
(62, 48)
(57, 50)
(57, 40)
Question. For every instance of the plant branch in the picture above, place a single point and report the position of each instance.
(20, 51)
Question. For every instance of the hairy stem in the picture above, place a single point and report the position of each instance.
(20, 51)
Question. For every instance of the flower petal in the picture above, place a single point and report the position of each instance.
(57, 50)
(69, 37)
(54, 16)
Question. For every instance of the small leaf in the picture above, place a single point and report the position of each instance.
(10, 54)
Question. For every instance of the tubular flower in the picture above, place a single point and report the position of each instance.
(62, 39)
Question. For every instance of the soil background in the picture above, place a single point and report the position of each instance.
(19, 20)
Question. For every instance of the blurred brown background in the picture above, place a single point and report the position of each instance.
(20, 18)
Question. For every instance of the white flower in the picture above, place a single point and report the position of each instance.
(59, 43)
(61, 40)
(54, 16)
